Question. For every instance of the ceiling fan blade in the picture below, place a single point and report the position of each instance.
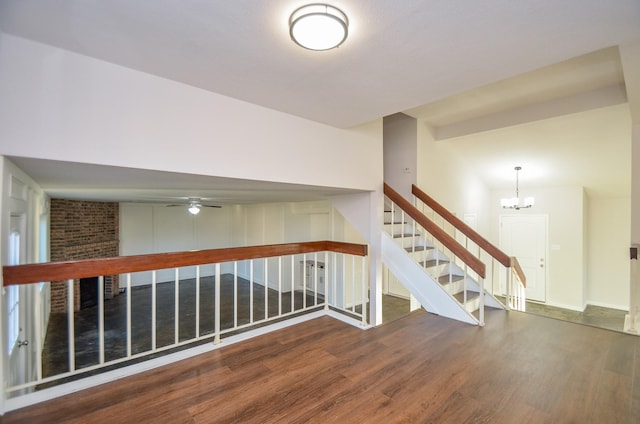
(169, 206)
(211, 206)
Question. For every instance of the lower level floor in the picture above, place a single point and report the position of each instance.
(420, 368)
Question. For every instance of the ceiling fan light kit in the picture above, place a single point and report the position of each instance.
(194, 204)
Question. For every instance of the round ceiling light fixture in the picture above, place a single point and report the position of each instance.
(318, 26)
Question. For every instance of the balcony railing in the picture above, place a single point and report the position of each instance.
(172, 301)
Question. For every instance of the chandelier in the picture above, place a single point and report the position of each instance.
(514, 202)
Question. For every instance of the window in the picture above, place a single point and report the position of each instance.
(13, 295)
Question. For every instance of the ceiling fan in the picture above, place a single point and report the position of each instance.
(194, 204)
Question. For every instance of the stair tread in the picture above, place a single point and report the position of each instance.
(432, 262)
(444, 279)
(418, 248)
(471, 295)
(405, 235)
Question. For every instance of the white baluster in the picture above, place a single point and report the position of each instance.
(101, 318)
(71, 324)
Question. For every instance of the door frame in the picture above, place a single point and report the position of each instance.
(545, 218)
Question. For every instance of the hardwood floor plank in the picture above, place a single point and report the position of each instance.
(420, 368)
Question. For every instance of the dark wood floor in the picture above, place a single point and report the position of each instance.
(519, 368)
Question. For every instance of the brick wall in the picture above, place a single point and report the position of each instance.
(83, 230)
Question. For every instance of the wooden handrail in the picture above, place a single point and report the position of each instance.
(450, 243)
(519, 272)
(461, 226)
(59, 271)
(472, 234)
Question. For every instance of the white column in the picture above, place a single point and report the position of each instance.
(375, 256)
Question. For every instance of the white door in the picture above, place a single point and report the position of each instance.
(17, 332)
(525, 237)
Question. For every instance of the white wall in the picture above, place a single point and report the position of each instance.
(64, 106)
(608, 256)
(445, 176)
(151, 228)
(400, 140)
(565, 207)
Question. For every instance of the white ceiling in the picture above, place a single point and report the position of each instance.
(448, 63)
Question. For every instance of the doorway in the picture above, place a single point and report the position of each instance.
(525, 237)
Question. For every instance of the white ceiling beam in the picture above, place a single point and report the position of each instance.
(603, 97)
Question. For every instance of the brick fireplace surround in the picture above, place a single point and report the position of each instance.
(82, 230)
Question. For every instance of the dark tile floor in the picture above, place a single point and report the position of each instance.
(595, 316)
(55, 353)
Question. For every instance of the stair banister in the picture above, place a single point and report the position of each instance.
(483, 243)
(449, 242)
(60, 271)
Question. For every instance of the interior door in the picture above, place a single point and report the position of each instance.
(525, 237)
(17, 307)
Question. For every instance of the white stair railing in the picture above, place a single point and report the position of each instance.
(505, 279)
(438, 253)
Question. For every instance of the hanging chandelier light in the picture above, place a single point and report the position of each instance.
(514, 202)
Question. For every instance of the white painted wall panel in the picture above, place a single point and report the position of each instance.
(608, 254)
(60, 105)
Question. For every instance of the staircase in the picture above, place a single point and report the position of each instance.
(436, 269)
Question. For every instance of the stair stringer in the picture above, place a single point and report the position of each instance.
(420, 284)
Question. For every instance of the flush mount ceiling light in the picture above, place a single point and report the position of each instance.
(514, 202)
(318, 26)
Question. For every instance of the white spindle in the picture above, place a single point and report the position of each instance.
(251, 290)
(481, 283)
(315, 278)
(128, 294)
(101, 318)
(393, 221)
(71, 324)
(363, 283)
(344, 281)
(353, 283)
(38, 331)
(266, 288)
(326, 281)
(154, 295)
(304, 281)
(176, 309)
(508, 282)
(235, 293)
(197, 301)
(216, 339)
(293, 281)
(464, 285)
(335, 279)
(279, 285)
